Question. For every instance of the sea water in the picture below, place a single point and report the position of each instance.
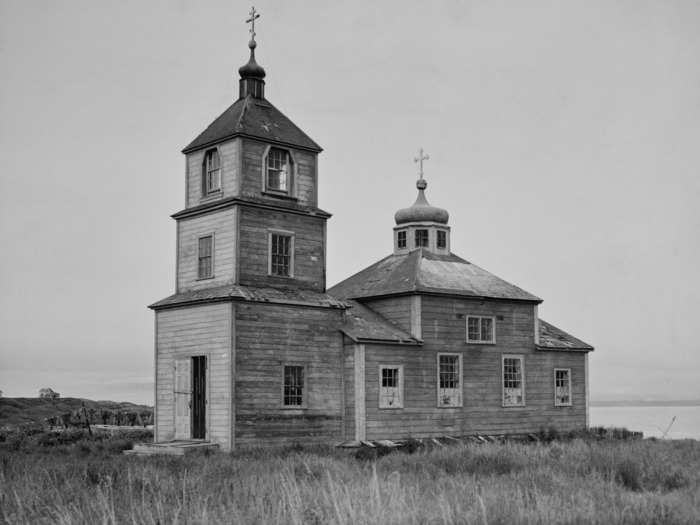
(653, 421)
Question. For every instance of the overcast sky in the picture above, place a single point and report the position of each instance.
(564, 139)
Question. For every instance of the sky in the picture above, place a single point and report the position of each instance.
(564, 140)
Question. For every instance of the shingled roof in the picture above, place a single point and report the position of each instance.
(257, 118)
(553, 338)
(422, 271)
(234, 292)
(365, 325)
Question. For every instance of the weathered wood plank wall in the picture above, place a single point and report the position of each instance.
(190, 331)
(267, 338)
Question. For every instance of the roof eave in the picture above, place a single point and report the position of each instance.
(371, 340)
(563, 349)
(193, 302)
(419, 291)
(196, 147)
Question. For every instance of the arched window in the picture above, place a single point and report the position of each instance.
(211, 173)
(278, 167)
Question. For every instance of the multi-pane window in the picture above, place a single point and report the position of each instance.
(205, 268)
(562, 387)
(390, 386)
(421, 238)
(401, 239)
(281, 254)
(513, 381)
(449, 380)
(480, 329)
(278, 170)
(441, 239)
(293, 392)
(212, 172)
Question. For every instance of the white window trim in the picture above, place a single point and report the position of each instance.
(270, 232)
(522, 381)
(304, 392)
(481, 341)
(291, 192)
(399, 405)
(461, 381)
(556, 401)
(213, 245)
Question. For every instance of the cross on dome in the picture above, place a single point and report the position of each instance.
(253, 16)
(419, 159)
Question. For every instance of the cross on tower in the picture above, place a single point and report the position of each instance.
(419, 159)
(253, 15)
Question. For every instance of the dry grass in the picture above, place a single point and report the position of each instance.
(579, 481)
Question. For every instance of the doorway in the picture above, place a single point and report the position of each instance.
(191, 397)
(199, 397)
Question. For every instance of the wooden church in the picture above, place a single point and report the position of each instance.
(253, 350)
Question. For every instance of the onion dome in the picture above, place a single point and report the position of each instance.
(421, 211)
(252, 69)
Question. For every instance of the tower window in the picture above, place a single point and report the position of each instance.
(205, 268)
(421, 238)
(211, 180)
(442, 239)
(293, 393)
(279, 169)
(401, 239)
(281, 251)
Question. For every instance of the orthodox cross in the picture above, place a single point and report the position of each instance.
(419, 159)
(253, 15)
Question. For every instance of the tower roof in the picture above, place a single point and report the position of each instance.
(256, 118)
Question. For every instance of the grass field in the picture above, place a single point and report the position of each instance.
(70, 478)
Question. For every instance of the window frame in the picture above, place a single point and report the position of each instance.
(460, 376)
(211, 256)
(427, 237)
(206, 192)
(304, 387)
(285, 233)
(291, 173)
(481, 341)
(521, 358)
(557, 403)
(439, 233)
(400, 388)
(405, 239)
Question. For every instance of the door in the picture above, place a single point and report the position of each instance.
(183, 395)
(199, 397)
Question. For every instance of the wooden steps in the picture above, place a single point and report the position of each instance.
(171, 448)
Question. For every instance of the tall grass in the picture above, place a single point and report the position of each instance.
(574, 482)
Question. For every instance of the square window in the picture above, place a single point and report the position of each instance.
(513, 381)
(421, 238)
(281, 246)
(562, 387)
(278, 167)
(401, 239)
(205, 268)
(481, 329)
(449, 380)
(390, 386)
(293, 390)
(442, 239)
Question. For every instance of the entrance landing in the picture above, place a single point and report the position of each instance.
(171, 448)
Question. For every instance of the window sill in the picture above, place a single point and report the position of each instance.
(450, 406)
(490, 343)
(295, 407)
(569, 405)
(204, 278)
(391, 408)
(214, 195)
(514, 406)
(279, 195)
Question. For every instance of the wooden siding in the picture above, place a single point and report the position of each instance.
(190, 331)
(222, 224)
(444, 330)
(309, 270)
(303, 185)
(394, 309)
(230, 155)
(267, 338)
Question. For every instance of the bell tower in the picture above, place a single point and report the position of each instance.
(251, 215)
